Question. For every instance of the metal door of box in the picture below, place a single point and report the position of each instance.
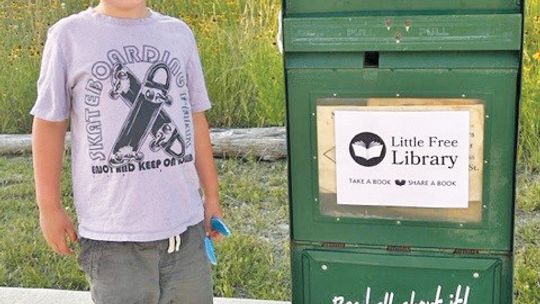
(307, 86)
(367, 277)
(353, 58)
(358, 59)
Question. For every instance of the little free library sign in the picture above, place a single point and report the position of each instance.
(398, 158)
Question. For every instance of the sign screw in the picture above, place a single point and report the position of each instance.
(324, 267)
(476, 275)
(388, 22)
(408, 24)
(398, 37)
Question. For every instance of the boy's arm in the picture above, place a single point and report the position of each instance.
(206, 169)
(47, 151)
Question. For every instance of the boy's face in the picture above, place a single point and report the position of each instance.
(125, 4)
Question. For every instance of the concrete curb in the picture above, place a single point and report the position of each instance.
(10, 295)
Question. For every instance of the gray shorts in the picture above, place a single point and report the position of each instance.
(145, 273)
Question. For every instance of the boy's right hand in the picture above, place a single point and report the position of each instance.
(55, 224)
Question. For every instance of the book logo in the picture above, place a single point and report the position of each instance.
(367, 149)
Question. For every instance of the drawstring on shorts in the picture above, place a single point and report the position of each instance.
(174, 244)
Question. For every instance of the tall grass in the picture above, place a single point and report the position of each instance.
(242, 65)
(23, 25)
(236, 39)
(529, 146)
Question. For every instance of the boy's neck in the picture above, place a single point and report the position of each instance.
(111, 10)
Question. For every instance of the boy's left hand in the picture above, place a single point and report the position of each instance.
(212, 209)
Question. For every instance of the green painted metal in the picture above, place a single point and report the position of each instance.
(365, 49)
(405, 60)
(369, 276)
(496, 87)
(325, 60)
(453, 60)
(374, 6)
(403, 33)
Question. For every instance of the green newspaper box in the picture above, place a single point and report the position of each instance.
(402, 119)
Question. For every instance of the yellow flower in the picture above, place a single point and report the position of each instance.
(537, 56)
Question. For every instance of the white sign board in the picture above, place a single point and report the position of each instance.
(405, 159)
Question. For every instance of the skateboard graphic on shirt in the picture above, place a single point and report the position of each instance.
(146, 115)
(146, 103)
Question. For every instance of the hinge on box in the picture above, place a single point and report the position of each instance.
(463, 251)
(333, 245)
(398, 248)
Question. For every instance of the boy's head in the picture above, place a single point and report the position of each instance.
(124, 4)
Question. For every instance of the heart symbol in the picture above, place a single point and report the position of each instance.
(400, 182)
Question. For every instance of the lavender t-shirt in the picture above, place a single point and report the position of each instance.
(129, 87)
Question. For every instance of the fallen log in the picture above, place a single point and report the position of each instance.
(261, 143)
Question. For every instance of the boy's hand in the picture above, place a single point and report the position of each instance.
(55, 224)
(212, 209)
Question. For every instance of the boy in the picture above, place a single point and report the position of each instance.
(131, 82)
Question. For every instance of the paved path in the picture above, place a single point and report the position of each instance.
(53, 296)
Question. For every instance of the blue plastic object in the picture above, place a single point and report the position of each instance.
(210, 252)
(219, 226)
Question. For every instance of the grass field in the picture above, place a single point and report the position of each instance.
(237, 41)
(529, 140)
(254, 263)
